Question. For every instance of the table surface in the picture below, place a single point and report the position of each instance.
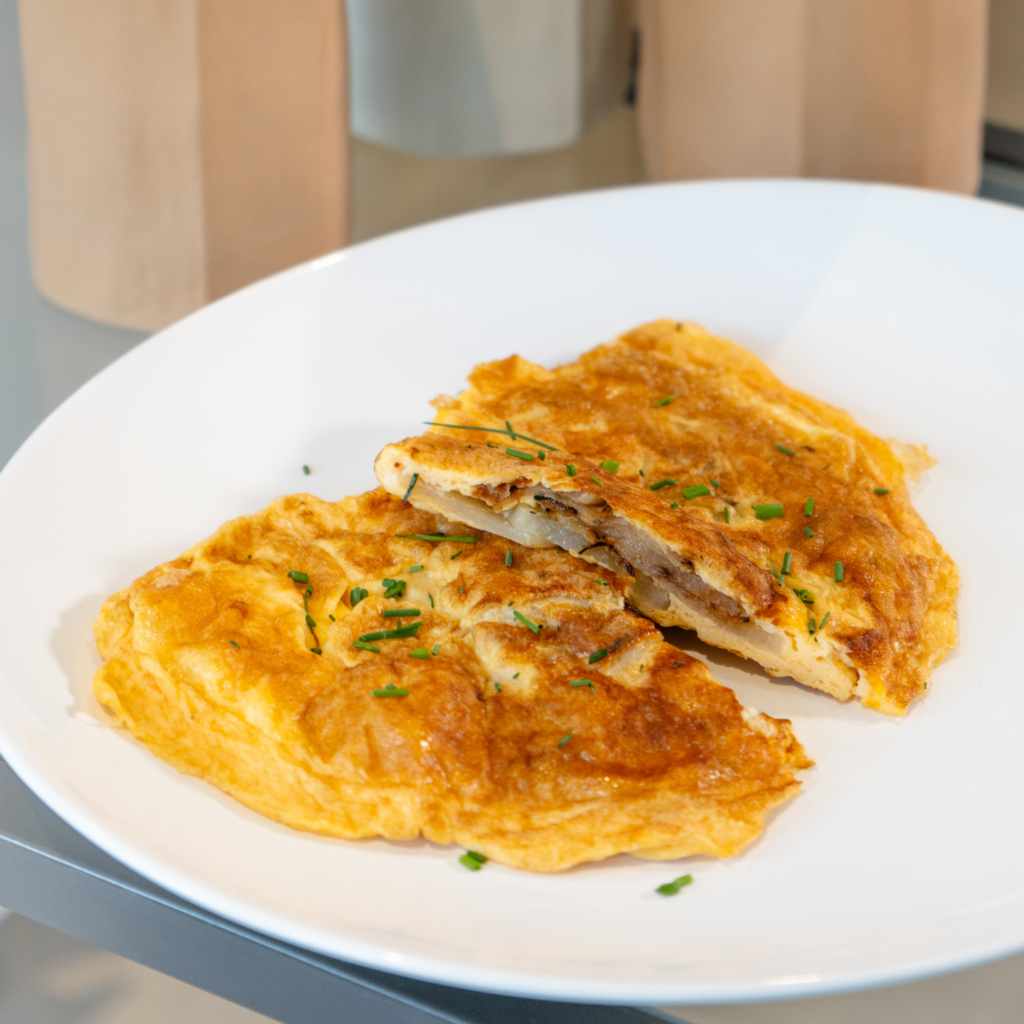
(51, 874)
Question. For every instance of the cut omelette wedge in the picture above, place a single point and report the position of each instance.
(767, 521)
(363, 668)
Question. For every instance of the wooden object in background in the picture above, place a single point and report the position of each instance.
(882, 90)
(179, 149)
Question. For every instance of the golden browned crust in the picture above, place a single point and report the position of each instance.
(891, 620)
(208, 662)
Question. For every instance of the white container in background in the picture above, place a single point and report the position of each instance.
(466, 78)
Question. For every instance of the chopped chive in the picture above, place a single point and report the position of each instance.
(596, 481)
(492, 430)
(392, 634)
(508, 559)
(331, 617)
(667, 482)
(387, 583)
(663, 401)
(778, 578)
(510, 603)
(400, 613)
(772, 511)
(456, 555)
(516, 454)
(785, 451)
(675, 504)
(583, 682)
(358, 594)
(714, 483)
(248, 556)
(696, 491)
(431, 596)
(824, 619)
(460, 590)
(678, 664)
(808, 532)
(316, 650)
(509, 430)
(571, 470)
(809, 507)
(531, 626)
(415, 477)
(565, 739)
(805, 595)
(497, 686)
(837, 572)
(725, 513)
(305, 470)
(671, 888)
(604, 583)
(390, 691)
(541, 455)
(811, 628)
(233, 644)
(310, 622)
(435, 650)
(516, 676)
(611, 465)
(415, 568)
(437, 536)
(472, 860)
(881, 490)
(364, 646)
(299, 577)
(597, 656)
(787, 562)
(420, 652)
(396, 589)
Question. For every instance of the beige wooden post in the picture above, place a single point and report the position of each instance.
(179, 149)
(886, 90)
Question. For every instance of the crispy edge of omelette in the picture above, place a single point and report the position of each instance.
(203, 716)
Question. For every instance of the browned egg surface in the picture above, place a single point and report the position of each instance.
(670, 402)
(210, 662)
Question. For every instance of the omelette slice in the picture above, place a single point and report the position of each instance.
(767, 521)
(367, 669)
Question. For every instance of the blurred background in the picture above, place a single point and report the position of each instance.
(158, 154)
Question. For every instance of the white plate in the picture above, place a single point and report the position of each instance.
(902, 857)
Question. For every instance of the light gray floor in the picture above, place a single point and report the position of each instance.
(46, 353)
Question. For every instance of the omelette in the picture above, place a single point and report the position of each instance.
(364, 668)
(767, 521)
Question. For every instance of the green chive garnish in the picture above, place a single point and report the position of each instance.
(785, 451)
(310, 622)
(671, 888)
(667, 482)
(420, 652)
(541, 455)
(583, 682)
(571, 470)
(331, 617)
(531, 626)
(696, 491)
(787, 562)
(415, 477)
(675, 504)
(436, 650)
(516, 676)
(364, 646)
(392, 634)
(772, 511)
(400, 613)
(778, 578)
(821, 625)
(808, 532)
(493, 430)
(663, 401)
(456, 555)
(299, 577)
(611, 465)
(316, 650)
(596, 481)
(511, 432)
(415, 568)
(396, 589)
(305, 470)
(881, 490)
(604, 583)
(811, 628)
(597, 656)
(437, 536)
(725, 513)
(565, 739)
(515, 453)
(714, 483)
(390, 691)
(809, 507)
(508, 559)
(497, 686)
(431, 596)
(233, 644)
(837, 572)
(460, 590)
(358, 594)
(804, 595)
(472, 860)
